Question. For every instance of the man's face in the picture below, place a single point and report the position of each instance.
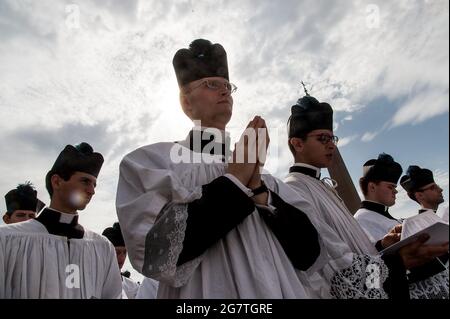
(19, 216)
(317, 149)
(77, 192)
(384, 193)
(213, 107)
(430, 194)
(121, 253)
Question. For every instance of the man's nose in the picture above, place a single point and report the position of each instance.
(331, 145)
(91, 189)
(224, 91)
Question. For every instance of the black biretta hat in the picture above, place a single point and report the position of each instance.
(79, 158)
(202, 59)
(384, 168)
(416, 178)
(23, 197)
(114, 234)
(308, 115)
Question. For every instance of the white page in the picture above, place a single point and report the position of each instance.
(413, 225)
(428, 223)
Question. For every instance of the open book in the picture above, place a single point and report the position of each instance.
(424, 223)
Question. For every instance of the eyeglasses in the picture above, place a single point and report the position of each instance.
(326, 138)
(215, 85)
(433, 187)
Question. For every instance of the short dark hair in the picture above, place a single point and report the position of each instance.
(298, 134)
(291, 147)
(48, 179)
(412, 196)
(364, 184)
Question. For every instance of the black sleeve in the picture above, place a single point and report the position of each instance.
(379, 246)
(294, 231)
(221, 208)
(396, 285)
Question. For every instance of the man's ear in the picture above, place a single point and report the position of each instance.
(186, 105)
(297, 144)
(56, 181)
(418, 196)
(371, 187)
(6, 218)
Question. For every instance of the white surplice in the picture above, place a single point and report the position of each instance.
(36, 264)
(331, 209)
(153, 192)
(376, 226)
(148, 289)
(445, 215)
(348, 264)
(130, 288)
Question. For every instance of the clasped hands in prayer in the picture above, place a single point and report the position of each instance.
(249, 157)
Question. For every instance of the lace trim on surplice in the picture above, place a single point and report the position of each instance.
(163, 245)
(363, 279)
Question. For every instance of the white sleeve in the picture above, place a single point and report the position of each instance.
(445, 215)
(112, 288)
(374, 229)
(338, 272)
(148, 289)
(152, 205)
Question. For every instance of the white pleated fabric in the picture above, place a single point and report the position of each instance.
(153, 192)
(129, 288)
(376, 226)
(341, 271)
(148, 289)
(332, 210)
(35, 264)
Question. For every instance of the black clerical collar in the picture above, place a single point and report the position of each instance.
(305, 169)
(61, 224)
(423, 210)
(377, 208)
(207, 141)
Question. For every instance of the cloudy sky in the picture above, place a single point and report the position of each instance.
(101, 72)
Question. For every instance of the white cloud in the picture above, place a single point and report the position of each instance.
(369, 136)
(441, 177)
(347, 140)
(347, 118)
(422, 107)
(404, 206)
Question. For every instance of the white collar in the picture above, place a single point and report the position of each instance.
(64, 218)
